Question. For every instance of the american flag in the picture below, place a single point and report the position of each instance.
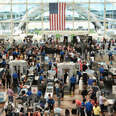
(57, 16)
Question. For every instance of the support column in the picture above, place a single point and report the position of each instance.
(104, 18)
(26, 17)
(89, 17)
(42, 11)
(73, 13)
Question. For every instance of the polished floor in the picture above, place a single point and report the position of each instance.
(67, 101)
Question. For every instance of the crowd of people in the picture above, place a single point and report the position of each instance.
(81, 52)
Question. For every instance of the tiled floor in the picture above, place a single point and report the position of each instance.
(67, 102)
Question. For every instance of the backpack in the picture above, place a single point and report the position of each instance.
(67, 112)
(74, 111)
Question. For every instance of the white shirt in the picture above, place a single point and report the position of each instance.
(81, 84)
(57, 85)
(11, 58)
(101, 99)
(4, 56)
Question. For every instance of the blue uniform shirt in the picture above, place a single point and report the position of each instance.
(38, 65)
(15, 75)
(90, 81)
(50, 63)
(61, 53)
(101, 77)
(89, 106)
(41, 78)
(51, 101)
(41, 71)
(29, 93)
(110, 53)
(39, 93)
(73, 80)
(101, 70)
(79, 73)
(14, 53)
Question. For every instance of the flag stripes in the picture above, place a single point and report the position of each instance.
(57, 16)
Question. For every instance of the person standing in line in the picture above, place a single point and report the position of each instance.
(62, 90)
(102, 99)
(62, 56)
(50, 65)
(57, 88)
(101, 69)
(82, 108)
(29, 94)
(39, 94)
(38, 67)
(79, 75)
(3, 79)
(96, 110)
(110, 56)
(89, 108)
(10, 95)
(65, 77)
(51, 103)
(72, 84)
(67, 112)
(15, 81)
(8, 77)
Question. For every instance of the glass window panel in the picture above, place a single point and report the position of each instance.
(91, 28)
(69, 25)
(34, 27)
(81, 12)
(81, 25)
(34, 12)
(114, 11)
(50, 1)
(80, 16)
(18, 1)
(19, 12)
(69, 17)
(5, 28)
(96, 0)
(5, 1)
(5, 12)
(111, 28)
(110, 0)
(111, 25)
(111, 11)
(78, 1)
(98, 26)
(97, 11)
(46, 24)
(17, 29)
(47, 1)
(35, 1)
(57, 1)
(65, 0)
